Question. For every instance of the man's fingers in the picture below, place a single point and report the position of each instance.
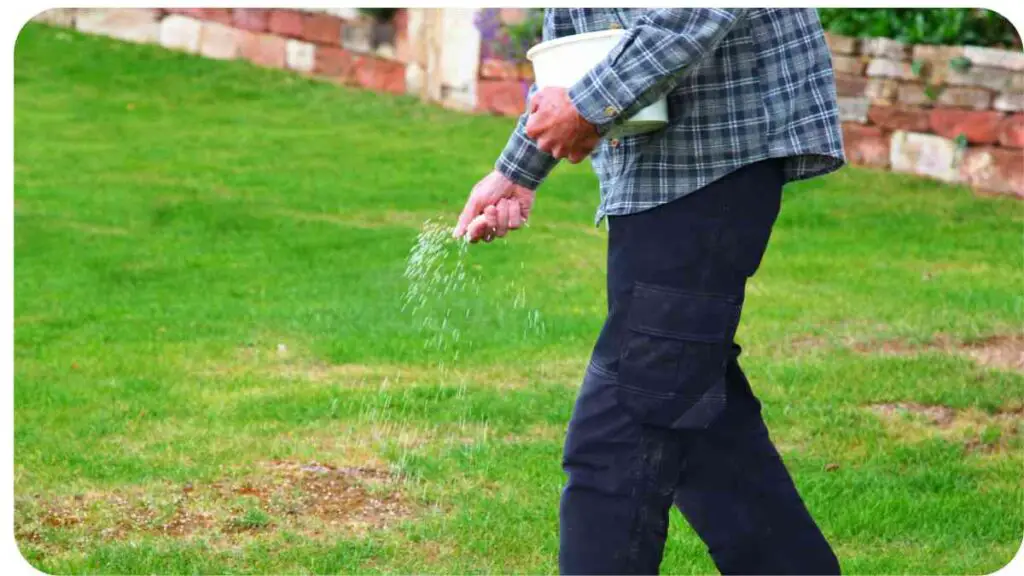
(471, 211)
(491, 214)
(515, 215)
(477, 229)
(545, 144)
(532, 130)
(502, 228)
(534, 103)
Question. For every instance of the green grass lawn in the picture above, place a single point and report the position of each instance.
(214, 374)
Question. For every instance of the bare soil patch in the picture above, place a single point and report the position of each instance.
(999, 351)
(977, 430)
(1004, 352)
(312, 499)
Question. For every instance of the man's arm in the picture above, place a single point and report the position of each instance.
(522, 161)
(656, 53)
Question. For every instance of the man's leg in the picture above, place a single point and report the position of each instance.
(735, 492)
(676, 276)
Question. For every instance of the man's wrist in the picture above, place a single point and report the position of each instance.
(600, 98)
(523, 163)
(514, 175)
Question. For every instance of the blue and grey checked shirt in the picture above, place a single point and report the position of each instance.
(743, 85)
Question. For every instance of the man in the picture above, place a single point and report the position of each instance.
(665, 414)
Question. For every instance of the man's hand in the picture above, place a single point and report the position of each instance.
(495, 206)
(558, 128)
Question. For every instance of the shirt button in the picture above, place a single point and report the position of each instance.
(610, 111)
(614, 142)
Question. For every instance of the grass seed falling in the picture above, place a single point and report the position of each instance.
(437, 274)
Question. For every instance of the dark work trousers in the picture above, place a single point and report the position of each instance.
(666, 415)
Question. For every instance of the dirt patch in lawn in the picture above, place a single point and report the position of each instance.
(1004, 352)
(1000, 351)
(313, 499)
(977, 430)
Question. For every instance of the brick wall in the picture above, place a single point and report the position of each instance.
(333, 44)
(952, 113)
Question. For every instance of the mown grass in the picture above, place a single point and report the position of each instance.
(208, 280)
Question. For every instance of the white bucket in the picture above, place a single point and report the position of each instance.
(564, 61)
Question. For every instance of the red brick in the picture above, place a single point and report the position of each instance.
(252, 19)
(285, 23)
(979, 127)
(336, 63)
(865, 145)
(505, 97)
(994, 170)
(1011, 131)
(321, 29)
(219, 15)
(898, 117)
(263, 49)
(380, 75)
(850, 85)
(496, 69)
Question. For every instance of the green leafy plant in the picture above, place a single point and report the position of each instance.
(952, 26)
(509, 41)
(932, 92)
(960, 64)
(527, 33)
(917, 67)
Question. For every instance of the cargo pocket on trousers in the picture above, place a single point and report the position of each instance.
(673, 358)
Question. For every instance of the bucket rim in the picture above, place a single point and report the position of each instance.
(545, 46)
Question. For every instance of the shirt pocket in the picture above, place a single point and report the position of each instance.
(674, 354)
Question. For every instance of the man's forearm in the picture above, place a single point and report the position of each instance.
(655, 54)
(522, 161)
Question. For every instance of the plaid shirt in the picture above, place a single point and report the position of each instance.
(743, 85)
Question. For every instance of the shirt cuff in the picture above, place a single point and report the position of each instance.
(524, 163)
(601, 98)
